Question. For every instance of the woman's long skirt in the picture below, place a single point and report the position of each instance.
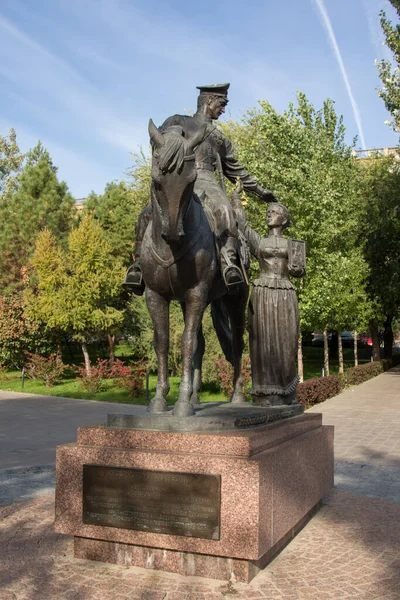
(274, 332)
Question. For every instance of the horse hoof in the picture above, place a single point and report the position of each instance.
(238, 398)
(183, 409)
(194, 400)
(157, 406)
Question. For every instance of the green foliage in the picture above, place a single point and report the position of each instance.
(76, 288)
(388, 73)
(40, 201)
(380, 227)
(302, 156)
(139, 331)
(314, 391)
(117, 210)
(113, 210)
(10, 165)
(357, 375)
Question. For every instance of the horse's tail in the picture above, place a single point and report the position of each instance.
(220, 320)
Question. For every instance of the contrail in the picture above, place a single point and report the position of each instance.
(332, 38)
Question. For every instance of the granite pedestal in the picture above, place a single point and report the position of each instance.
(272, 477)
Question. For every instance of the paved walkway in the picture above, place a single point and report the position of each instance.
(349, 550)
(31, 426)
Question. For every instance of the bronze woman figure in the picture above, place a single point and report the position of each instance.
(273, 316)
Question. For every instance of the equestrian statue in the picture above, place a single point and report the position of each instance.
(187, 245)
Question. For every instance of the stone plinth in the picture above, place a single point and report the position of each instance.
(272, 479)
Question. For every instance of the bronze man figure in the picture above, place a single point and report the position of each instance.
(213, 156)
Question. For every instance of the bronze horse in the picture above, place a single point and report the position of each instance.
(179, 261)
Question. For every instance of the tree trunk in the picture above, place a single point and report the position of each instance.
(86, 357)
(300, 364)
(111, 345)
(326, 353)
(376, 349)
(59, 351)
(388, 337)
(355, 349)
(340, 352)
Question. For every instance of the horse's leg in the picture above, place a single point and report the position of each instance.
(159, 311)
(197, 364)
(195, 304)
(236, 307)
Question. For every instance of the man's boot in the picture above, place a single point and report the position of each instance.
(133, 281)
(231, 273)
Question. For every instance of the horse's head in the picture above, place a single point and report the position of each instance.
(173, 176)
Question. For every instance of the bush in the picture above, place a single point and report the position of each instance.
(356, 375)
(129, 378)
(47, 369)
(313, 391)
(317, 390)
(225, 375)
(395, 360)
(94, 382)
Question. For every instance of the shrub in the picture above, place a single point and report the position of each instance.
(17, 332)
(387, 363)
(130, 378)
(47, 369)
(313, 391)
(356, 375)
(395, 360)
(94, 381)
(225, 375)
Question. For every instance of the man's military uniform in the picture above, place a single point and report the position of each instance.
(214, 160)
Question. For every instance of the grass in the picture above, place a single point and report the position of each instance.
(313, 357)
(69, 387)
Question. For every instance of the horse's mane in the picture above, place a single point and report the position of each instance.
(171, 155)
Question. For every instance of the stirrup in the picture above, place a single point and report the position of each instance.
(133, 282)
(233, 286)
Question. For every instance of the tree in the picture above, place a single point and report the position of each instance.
(303, 157)
(40, 201)
(10, 164)
(77, 287)
(117, 210)
(390, 76)
(381, 231)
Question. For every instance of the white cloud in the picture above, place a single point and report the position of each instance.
(371, 11)
(338, 55)
(74, 168)
(47, 80)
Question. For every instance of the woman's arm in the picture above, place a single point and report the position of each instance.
(252, 237)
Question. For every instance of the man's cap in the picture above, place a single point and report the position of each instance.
(217, 89)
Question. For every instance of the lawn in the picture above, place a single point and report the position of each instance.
(69, 387)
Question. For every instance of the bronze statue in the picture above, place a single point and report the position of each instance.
(179, 261)
(213, 156)
(273, 316)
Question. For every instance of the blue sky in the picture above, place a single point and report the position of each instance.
(85, 76)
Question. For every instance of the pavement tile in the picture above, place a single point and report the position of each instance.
(349, 550)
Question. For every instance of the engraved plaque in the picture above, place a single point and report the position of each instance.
(297, 254)
(185, 504)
